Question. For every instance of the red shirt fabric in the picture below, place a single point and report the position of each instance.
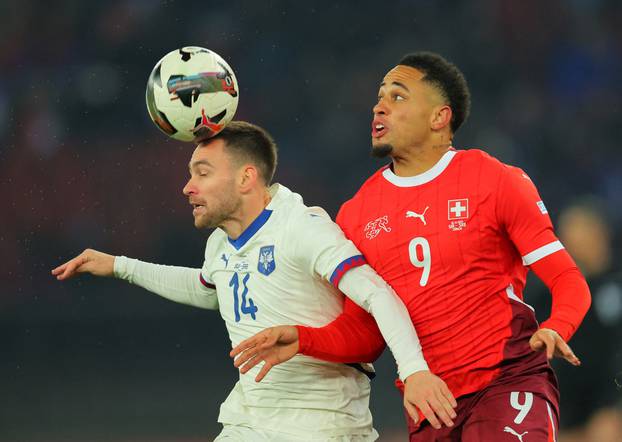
(454, 243)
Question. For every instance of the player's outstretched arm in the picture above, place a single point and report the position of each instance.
(178, 284)
(89, 261)
(353, 337)
(571, 300)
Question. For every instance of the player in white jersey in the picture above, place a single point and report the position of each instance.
(271, 261)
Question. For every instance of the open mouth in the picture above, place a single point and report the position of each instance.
(378, 129)
(197, 209)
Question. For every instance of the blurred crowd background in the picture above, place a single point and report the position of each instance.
(81, 165)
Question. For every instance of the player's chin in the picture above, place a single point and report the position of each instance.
(200, 222)
(381, 150)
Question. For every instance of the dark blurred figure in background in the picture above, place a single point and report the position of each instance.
(591, 400)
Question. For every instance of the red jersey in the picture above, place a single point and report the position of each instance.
(453, 243)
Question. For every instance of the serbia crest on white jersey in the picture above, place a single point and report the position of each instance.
(266, 263)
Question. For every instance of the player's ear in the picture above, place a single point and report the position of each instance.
(441, 117)
(248, 177)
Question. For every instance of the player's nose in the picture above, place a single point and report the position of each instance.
(380, 108)
(189, 188)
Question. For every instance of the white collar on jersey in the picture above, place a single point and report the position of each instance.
(425, 177)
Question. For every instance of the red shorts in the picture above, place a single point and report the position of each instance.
(518, 408)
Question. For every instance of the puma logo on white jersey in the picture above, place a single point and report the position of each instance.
(511, 431)
(421, 216)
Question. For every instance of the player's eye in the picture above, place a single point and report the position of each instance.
(398, 97)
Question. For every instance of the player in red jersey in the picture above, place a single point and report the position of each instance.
(454, 232)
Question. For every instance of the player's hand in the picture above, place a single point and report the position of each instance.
(546, 339)
(273, 345)
(430, 394)
(89, 261)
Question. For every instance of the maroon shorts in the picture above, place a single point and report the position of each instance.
(518, 408)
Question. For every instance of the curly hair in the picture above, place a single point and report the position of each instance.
(447, 79)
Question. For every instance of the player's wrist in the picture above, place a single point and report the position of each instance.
(564, 330)
(123, 267)
(414, 371)
(304, 338)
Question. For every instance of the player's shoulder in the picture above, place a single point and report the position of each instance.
(290, 209)
(481, 157)
(215, 242)
(369, 187)
(486, 166)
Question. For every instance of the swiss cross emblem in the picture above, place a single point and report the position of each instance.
(458, 209)
(457, 213)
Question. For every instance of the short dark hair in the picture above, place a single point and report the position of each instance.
(445, 77)
(248, 142)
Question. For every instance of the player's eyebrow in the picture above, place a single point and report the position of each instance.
(396, 83)
(197, 163)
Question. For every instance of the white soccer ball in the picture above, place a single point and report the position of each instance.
(192, 93)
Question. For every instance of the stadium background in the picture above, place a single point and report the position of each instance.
(82, 166)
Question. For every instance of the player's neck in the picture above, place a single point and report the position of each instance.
(252, 206)
(418, 160)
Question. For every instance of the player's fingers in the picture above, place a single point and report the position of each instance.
(439, 409)
(263, 372)
(69, 270)
(446, 404)
(430, 416)
(245, 356)
(447, 393)
(550, 347)
(75, 266)
(412, 411)
(536, 343)
(250, 364)
(251, 342)
(566, 352)
(58, 269)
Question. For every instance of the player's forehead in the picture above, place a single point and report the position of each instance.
(402, 75)
(208, 152)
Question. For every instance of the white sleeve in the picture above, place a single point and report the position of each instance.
(179, 284)
(320, 245)
(368, 290)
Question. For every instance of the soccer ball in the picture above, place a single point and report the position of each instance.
(192, 93)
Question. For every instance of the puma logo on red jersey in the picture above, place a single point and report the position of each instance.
(421, 216)
(373, 228)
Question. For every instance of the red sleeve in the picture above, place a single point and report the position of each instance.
(352, 337)
(569, 291)
(523, 214)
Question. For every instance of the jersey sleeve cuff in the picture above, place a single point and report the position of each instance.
(304, 338)
(344, 266)
(123, 267)
(562, 328)
(412, 367)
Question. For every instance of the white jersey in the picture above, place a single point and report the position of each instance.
(279, 271)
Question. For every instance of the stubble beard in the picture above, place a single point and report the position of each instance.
(381, 150)
(221, 212)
